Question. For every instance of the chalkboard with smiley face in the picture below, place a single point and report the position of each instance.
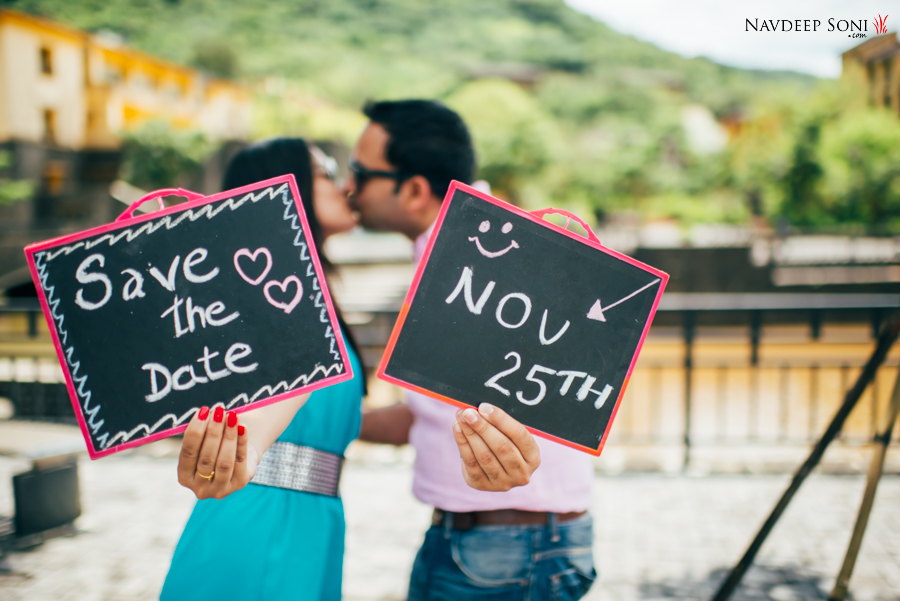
(512, 309)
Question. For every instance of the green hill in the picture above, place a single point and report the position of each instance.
(355, 49)
(562, 107)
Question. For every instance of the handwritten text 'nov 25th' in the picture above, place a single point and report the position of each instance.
(520, 305)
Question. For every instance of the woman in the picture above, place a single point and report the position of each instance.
(261, 540)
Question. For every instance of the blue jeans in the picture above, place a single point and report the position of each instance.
(553, 562)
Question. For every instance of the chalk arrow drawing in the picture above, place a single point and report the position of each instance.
(597, 309)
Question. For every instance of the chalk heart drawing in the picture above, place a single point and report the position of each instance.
(253, 264)
(284, 292)
(484, 227)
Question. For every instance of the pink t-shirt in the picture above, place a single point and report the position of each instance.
(561, 484)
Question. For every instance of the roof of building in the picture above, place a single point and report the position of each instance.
(874, 49)
(107, 43)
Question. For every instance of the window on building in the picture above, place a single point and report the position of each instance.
(141, 82)
(90, 122)
(112, 75)
(170, 91)
(49, 126)
(55, 175)
(870, 79)
(888, 71)
(46, 60)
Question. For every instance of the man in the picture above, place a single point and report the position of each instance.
(532, 541)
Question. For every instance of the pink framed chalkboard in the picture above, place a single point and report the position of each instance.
(509, 308)
(219, 301)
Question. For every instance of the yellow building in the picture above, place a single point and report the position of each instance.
(66, 98)
(875, 64)
(67, 88)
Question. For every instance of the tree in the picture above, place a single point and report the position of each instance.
(802, 203)
(513, 136)
(156, 156)
(216, 57)
(862, 174)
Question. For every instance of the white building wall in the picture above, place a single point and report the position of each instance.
(225, 117)
(17, 89)
(28, 92)
(6, 90)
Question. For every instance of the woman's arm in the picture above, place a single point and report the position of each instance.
(219, 455)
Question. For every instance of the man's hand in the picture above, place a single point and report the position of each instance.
(497, 452)
(216, 458)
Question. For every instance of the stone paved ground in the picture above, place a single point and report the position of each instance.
(658, 536)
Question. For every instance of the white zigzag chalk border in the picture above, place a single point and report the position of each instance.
(105, 439)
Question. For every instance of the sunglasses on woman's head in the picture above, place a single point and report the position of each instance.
(323, 164)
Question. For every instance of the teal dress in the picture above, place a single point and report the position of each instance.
(268, 543)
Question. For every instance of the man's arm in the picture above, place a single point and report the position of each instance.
(387, 425)
(496, 452)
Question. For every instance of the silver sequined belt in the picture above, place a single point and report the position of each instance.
(296, 467)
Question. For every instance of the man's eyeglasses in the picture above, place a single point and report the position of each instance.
(362, 174)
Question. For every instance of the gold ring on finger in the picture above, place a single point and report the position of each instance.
(209, 476)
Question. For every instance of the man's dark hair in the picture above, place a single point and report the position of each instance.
(426, 138)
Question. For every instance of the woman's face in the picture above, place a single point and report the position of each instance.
(329, 202)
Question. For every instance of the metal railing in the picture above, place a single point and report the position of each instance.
(717, 369)
(770, 383)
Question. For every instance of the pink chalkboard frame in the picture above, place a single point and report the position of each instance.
(537, 217)
(125, 221)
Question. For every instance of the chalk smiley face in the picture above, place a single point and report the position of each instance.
(484, 227)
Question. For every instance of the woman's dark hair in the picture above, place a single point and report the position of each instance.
(280, 156)
(426, 138)
(274, 157)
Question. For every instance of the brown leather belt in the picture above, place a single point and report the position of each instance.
(499, 517)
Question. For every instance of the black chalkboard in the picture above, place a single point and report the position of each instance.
(217, 301)
(511, 309)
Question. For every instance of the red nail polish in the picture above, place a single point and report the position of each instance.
(218, 415)
(232, 419)
(203, 413)
(241, 430)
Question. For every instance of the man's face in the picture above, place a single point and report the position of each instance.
(374, 196)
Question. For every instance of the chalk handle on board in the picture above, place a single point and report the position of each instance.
(569, 217)
(158, 195)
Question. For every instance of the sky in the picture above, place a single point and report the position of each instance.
(717, 29)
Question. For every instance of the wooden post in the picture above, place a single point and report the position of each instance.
(689, 332)
(883, 441)
(883, 345)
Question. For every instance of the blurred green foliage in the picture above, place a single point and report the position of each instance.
(858, 153)
(564, 110)
(515, 139)
(13, 190)
(216, 57)
(155, 156)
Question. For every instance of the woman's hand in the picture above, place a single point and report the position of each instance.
(497, 452)
(216, 458)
